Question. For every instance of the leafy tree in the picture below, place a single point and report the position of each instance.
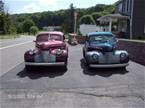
(108, 10)
(63, 18)
(19, 28)
(7, 25)
(27, 24)
(95, 16)
(87, 19)
(34, 30)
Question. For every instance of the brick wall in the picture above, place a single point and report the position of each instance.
(135, 49)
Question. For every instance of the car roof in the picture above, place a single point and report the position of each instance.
(99, 33)
(51, 32)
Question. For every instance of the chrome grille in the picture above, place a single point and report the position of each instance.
(108, 58)
(45, 56)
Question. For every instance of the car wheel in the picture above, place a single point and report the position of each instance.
(65, 66)
(86, 63)
(83, 53)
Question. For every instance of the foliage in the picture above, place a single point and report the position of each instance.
(27, 24)
(34, 30)
(87, 19)
(19, 27)
(21, 23)
(95, 16)
(108, 9)
(6, 25)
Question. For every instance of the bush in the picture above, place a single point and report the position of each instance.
(27, 24)
(34, 30)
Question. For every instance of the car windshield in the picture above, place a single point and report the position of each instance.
(55, 37)
(102, 39)
(47, 37)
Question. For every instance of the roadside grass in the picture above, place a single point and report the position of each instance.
(12, 36)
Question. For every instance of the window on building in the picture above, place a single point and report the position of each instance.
(127, 5)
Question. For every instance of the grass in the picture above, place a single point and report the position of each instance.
(12, 36)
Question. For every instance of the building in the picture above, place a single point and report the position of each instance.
(52, 28)
(86, 28)
(135, 10)
(130, 15)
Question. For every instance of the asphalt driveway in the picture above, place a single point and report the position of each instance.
(76, 87)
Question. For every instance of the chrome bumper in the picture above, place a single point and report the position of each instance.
(45, 64)
(108, 65)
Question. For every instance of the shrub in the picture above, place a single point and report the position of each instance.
(34, 30)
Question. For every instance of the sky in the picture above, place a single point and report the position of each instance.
(31, 6)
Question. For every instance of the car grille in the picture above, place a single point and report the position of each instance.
(45, 57)
(108, 58)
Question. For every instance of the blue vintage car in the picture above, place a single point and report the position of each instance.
(100, 51)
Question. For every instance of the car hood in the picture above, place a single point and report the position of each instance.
(49, 44)
(105, 47)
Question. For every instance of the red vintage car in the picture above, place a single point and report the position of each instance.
(51, 50)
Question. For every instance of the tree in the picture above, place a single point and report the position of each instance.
(7, 25)
(27, 24)
(34, 30)
(95, 16)
(87, 19)
(19, 27)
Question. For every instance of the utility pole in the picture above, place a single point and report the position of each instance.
(75, 21)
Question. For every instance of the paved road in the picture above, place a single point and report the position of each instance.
(76, 87)
(11, 52)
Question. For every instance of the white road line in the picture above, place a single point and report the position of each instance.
(15, 45)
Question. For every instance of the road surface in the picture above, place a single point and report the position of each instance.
(76, 87)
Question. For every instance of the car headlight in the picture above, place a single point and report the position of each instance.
(95, 57)
(31, 52)
(59, 51)
(124, 58)
(123, 55)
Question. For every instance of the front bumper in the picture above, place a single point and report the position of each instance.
(108, 65)
(45, 64)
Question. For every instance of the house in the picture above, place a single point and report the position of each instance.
(52, 28)
(135, 9)
(131, 17)
(87, 28)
